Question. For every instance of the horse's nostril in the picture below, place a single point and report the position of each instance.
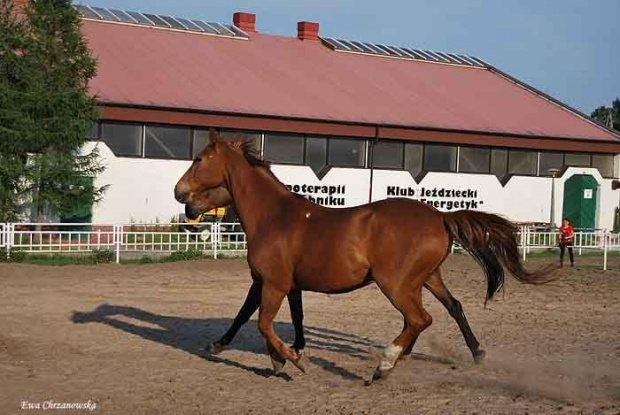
(180, 194)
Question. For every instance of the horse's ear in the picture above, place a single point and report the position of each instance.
(214, 137)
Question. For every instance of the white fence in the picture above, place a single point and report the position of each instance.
(215, 239)
(210, 238)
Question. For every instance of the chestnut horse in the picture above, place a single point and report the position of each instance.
(399, 244)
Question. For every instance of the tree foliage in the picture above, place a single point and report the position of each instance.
(46, 110)
(604, 114)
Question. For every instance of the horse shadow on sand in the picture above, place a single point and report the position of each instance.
(193, 335)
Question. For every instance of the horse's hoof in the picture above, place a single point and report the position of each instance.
(215, 348)
(278, 363)
(376, 374)
(479, 356)
(301, 362)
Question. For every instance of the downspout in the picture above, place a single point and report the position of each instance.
(371, 146)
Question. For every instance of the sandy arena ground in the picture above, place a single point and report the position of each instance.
(131, 339)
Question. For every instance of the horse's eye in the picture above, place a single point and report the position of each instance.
(197, 160)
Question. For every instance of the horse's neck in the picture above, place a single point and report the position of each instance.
(258, 196)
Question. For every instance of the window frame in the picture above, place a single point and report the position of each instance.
(488, 172)
(456, 157)
(142, 133)
(303, 148)
(191, 141)
(371, 155)
(510, 174)
(364, 164)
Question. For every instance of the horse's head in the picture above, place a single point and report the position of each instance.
(203, 186)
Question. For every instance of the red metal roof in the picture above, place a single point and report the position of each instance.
(286, 77)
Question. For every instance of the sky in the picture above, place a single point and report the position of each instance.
(568, 49)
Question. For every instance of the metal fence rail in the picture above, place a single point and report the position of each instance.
(217, 239)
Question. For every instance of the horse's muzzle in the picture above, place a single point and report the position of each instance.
(181, 193)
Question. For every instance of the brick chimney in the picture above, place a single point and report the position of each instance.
(307, 31)
(245, 21)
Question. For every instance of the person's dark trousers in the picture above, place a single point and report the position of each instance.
(570, 254)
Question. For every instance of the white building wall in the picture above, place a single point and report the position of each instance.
(142, 190)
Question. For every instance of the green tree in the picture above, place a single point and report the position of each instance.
(46, 110)
(604, 114)
(12, 157)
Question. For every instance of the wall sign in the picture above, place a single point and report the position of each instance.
(439, 197)
(321, 194)
(587, 193)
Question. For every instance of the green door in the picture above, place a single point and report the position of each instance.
(81, 213)
(580, 200)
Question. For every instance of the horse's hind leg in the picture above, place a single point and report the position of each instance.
(297, 316)
(416, 318)
(436, 286)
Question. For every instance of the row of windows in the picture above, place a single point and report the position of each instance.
(184, 143)
(160, 141)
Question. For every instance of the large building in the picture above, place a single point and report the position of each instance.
(343, 122)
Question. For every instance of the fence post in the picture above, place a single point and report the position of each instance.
(5, 238)
(215, 235)
(118, 240)
(10, 238)
(524, 241)
(605, 235)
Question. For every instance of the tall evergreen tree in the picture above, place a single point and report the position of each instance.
(12, 155)
(46, 110)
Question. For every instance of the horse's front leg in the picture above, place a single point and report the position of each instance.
(271, 300)
(251, 304)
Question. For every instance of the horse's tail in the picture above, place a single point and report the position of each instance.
(492, 241)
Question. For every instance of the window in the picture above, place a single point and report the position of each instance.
(387, 154)
(474, 159)
(316, 153)
(577, 159)
(93, 132)
(284, 148)
(550, 160)
(604, 163)
(124, 139)
(439, 157)
(167, 142)
(346, 152)
(201, 140)
(413, 158)
(522, 162)
(499, 162)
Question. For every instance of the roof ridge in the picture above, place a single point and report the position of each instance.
(400, 52)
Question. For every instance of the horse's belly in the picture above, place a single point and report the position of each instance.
(332, 276)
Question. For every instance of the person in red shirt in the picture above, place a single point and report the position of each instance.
(567, 239)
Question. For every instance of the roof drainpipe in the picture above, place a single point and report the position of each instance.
(245, 22)
(307, 31)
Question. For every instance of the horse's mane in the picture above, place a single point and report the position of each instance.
(255, 160)
(252, 155)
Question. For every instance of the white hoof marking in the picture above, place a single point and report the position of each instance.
(390, 355)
